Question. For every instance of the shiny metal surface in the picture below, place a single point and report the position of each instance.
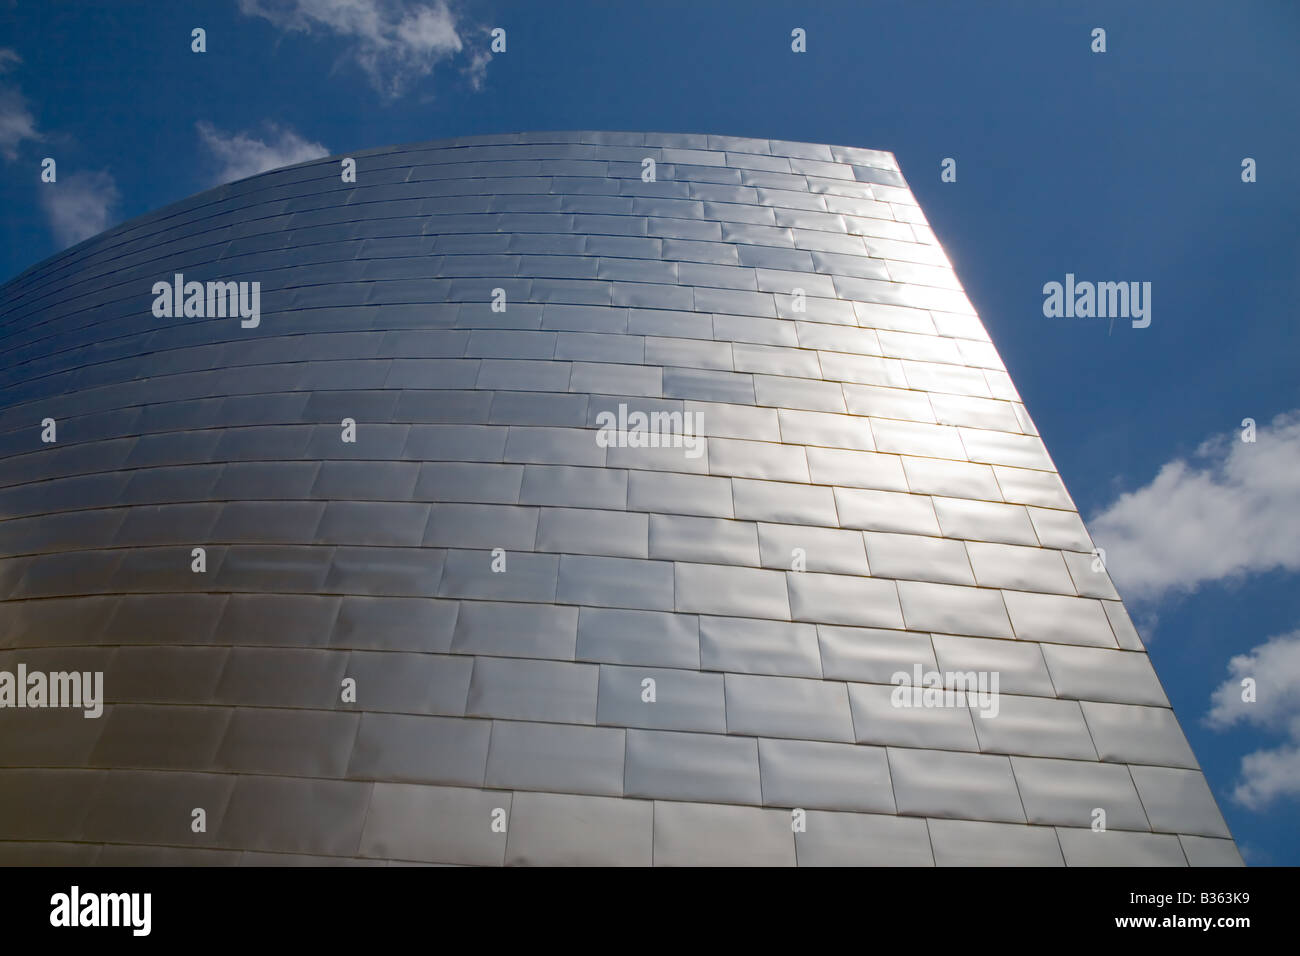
(565, 650)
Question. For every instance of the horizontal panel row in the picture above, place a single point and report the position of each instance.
(592, 580)
(450, 824)
(628, 283)
(608, 635)
(399, 233)
(812, 527)
(516, 204)
(905, 331)
(355, 446)
(860, 165)
(975, 714)
(574, 531)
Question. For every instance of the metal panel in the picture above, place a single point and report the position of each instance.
(1021, 569)
(410, 749)
(863, 839)
(965, 786)
(1134, 734)
(533, 690)
(704, 540)
(1069, 792)
(1115, 848)
(1098, 674)
(714, 589)
(788, 707)
(1032, 726)
(917, 557)
(954, 610)
(701, 834)
(553, 757)
(435, 824)
(969, 843)
(553, 829)
(747, 646)
(892, 715)
(699, 767)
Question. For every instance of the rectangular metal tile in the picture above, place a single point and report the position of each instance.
(1032, 726)
(533, 690)
(793, 547)
(401, 748)
(843, 599)
(556, 757)
(515, 630)
(893, 714)
(435, 824)
(970, 843)
(554, 829)
(917, 557)
(1130, 733)
(704, 540)
(701, 834)
(650, 638)
(698, 767)
(788, 707)
(1069, 793)
(861, 839)
(936, 783)
(661, 699)
(714, 589)
(616, 582)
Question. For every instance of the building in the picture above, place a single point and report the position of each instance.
(554, 498)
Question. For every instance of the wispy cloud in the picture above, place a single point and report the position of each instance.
(394, 42)
(1270, 773)
(240, 155)
(79, 205)
(16, 120)
(1228, 511)
(476, 69)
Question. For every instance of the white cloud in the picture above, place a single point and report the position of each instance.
(16, 120)
(394, 42)
(16, 123)
(1229, 511)
(476, 69)
(1266, 774)
(241, 155)
(79, 205)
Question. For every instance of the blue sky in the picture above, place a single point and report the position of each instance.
(1115, 166)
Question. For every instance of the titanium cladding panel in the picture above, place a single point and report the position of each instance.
(555, 512)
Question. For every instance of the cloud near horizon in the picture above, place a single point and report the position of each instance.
(1267, 774)
(80, 205)
(16, 121)
(394, 43)
(1230, 509)
(243, 154)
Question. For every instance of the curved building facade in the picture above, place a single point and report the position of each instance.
(561, 498)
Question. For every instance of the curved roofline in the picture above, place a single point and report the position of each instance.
(801, 149)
